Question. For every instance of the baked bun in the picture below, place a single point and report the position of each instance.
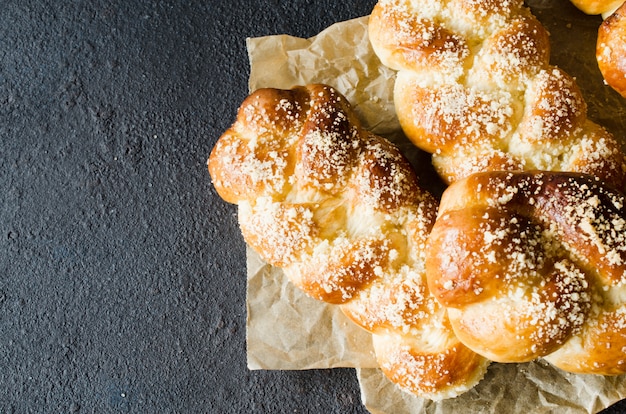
(611, 50)
(341, 212)
(533, 264)
(475, 88)
(602, 7)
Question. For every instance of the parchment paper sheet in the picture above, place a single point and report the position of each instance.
(288, 330)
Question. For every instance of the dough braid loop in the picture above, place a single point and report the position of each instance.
(532, 265)
(339, 209)
(475, 88)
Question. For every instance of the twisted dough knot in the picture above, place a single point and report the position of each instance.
(341, 212)
(475, 88)
(533, 265)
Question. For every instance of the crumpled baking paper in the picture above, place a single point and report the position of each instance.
(288, 330)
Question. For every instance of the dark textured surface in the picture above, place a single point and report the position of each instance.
(122, 274)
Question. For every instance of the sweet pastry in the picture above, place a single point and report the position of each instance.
(611, 50)
(531, 265)
(341, 212)
(475, 88)
(603, 7)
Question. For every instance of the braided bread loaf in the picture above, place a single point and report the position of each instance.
(475, 88)
(340, 211)
(533, 264)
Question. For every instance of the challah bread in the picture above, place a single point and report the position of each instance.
(475, 88)
(611, 50)
(341, 212)
(533, 264)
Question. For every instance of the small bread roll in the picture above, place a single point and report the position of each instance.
(341, 212)
(611, 50)
(603, 7)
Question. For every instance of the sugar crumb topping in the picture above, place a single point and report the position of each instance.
(481, 72)
(338, 208)
(550, 261)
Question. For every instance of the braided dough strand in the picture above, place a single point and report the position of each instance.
(533, 265)
(475, 88)
(341, 212)
(611, 42)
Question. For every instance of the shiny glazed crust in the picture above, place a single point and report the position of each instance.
(603, 7)
(611, 50)
(475, 88)
(341, 212)
(533, 264)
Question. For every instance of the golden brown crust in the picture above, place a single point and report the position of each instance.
(611, 43)
(601, 345)
(611, 50)
(450, 369)
(597, 6)
(533, 265)
(341, 212)
(476, 89)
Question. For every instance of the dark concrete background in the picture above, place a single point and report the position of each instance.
(122, 273)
